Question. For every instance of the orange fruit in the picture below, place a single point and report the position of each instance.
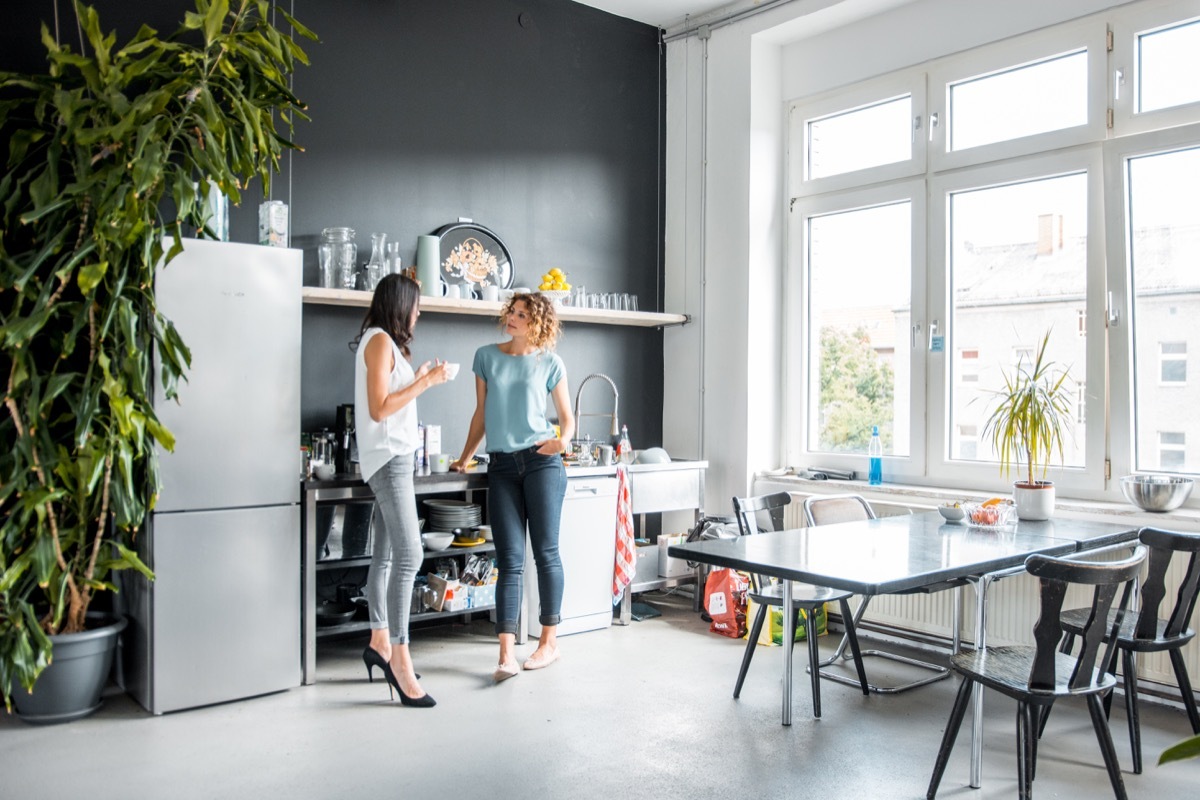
(995, 501)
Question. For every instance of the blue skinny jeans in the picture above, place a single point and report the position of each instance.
(526, 489)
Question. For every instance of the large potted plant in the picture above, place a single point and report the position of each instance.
(103, 153)
(1027, 427)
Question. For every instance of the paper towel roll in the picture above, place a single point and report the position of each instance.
(428, 258)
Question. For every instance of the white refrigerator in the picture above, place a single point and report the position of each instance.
(221, 620)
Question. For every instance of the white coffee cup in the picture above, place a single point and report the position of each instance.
(439, 462)
(451, 290)
(452, 370)
(491, 292)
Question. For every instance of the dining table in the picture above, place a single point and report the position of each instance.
(897, 553)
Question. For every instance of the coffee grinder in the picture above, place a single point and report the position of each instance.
(347, 447)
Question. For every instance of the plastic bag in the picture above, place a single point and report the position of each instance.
(725, 601)
(773, 628)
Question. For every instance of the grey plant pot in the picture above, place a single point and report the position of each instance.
(70, 687)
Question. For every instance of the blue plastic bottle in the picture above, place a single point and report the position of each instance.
(875, 452)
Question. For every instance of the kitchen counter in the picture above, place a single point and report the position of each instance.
(476, 478)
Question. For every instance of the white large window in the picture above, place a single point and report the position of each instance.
(1058, 185)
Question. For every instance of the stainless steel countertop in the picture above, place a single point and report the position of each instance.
(477, 477)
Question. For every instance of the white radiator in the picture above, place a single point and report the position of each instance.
(1013, 605)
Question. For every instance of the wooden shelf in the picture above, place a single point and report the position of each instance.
(484, 308)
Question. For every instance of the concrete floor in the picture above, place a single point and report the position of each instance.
(637, 712)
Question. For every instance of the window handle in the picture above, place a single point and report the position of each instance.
(933, 123)
(1114, 313)
(1118, 82)
(914, 335)
(916, 127)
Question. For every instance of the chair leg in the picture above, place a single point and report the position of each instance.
(1025, 738)
(751, 643)
(1033, 741)
(1185, 689)
(1067, 643)
(814, 657)
(1129, 665)
(1042, 717)
(852, 637)
(952, 726)
(1100, 724)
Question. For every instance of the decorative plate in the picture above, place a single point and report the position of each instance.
(472, 254)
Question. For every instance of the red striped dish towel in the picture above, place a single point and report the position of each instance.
(626, 561)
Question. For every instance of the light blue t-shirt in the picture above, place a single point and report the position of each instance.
(514, 414)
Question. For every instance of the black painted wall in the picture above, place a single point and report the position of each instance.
(540, 120)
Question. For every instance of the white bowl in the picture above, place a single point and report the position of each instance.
(555, 296)
(323, 472)
(952, 513)
(438, 540)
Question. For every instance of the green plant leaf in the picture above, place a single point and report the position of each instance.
(1188, 748)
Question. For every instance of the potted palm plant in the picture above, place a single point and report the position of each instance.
(1027, 427)
(103, 155)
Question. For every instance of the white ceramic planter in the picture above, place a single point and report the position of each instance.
(1034, 502)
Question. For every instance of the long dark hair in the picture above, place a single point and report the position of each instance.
(395, 298)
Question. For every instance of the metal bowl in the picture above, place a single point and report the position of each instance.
(1156, 492)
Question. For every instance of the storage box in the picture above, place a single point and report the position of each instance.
(647, 563)
(448, 595)
(669, 567)
(478, 596)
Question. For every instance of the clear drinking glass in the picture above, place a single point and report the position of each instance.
(579, 297)
(633, 302)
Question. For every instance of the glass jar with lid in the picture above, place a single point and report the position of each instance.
(338, 255)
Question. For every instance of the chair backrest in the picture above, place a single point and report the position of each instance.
(761, 514)
(1056, 574)
(833, 508)
(1163, 546)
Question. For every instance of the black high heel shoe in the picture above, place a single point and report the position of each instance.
(426, 701)
(372, 658)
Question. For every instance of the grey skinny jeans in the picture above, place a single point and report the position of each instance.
(396, 553)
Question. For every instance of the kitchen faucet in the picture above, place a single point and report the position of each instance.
(616, 431)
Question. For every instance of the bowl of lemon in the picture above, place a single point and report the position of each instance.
(555, 287)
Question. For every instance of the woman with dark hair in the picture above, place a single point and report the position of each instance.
(385, 413)
(526, 478)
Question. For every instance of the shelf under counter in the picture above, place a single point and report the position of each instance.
(316, 295)
(359, 625)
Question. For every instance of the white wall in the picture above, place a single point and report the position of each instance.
(726, 205)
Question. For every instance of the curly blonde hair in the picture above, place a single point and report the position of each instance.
(544, 327)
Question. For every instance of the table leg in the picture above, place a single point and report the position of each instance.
(981, 587)
(308, 592)
(789, 611)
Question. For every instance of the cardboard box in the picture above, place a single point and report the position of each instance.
(669, 567)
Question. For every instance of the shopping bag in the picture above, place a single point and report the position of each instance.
(773, 628)
(725, 602)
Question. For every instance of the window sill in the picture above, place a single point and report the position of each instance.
(1184, 519)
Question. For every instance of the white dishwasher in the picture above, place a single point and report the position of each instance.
(587, 544)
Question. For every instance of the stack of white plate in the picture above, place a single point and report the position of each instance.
(446, 515)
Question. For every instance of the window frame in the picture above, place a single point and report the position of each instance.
(910, 82)
(1090, 35)
(941, 469)
(1120, 418)
(1127, 25)
(796, 325)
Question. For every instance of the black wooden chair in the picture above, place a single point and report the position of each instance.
(765, 513)
(1146, 632)
(835, 508)
(1035, 675)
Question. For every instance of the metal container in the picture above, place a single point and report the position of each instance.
(1156, 492)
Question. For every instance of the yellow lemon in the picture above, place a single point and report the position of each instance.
(556, 272)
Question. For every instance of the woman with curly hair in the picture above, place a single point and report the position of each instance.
(526, 478)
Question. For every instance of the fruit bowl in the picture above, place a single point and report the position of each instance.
(556, 296)
(437, 540)
(952, 513)
(996, 516)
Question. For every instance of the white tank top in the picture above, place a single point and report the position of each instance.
(395, 435)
